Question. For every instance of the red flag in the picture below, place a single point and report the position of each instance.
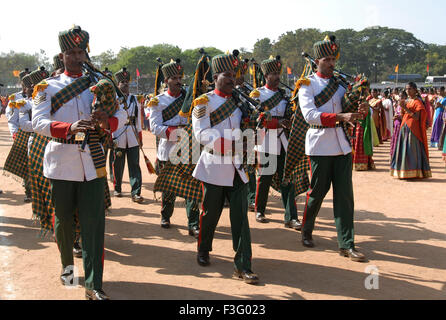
(137, 73)
(289, 71)
(427, 67)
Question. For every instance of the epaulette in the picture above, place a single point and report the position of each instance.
(11, 97)
(20, 103)
(203, 99)
(153, 102)
(40, 87)
(302, 82)
(255, 94)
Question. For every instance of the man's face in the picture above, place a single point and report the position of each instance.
(326, 65)
(225, 81)
(273, 79)
(123, 85)
(174, 83)
(375, 94)
(72, 59)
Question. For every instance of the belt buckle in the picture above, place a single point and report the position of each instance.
(80, 136)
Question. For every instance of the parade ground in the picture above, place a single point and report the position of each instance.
(399, 225)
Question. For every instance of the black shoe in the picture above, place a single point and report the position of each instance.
(165, 223)
(252, 207)
(307, 239)
(352, 254)
(247, 275)
(67, 276)
(294, 224)
(96, 295)
(203, 258)
(195, 232)
(77, 250)
(27, 199)
(260, 217)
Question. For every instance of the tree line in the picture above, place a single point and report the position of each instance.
(374, 51)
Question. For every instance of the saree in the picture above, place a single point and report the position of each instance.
(362, 145)
(411, 157)
(438, 125)
(396, 131)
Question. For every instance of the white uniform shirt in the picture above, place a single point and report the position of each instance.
(216, 169)
(322, 142)
(271, 142)
(66, 161)
(125, 136)
(25, 114)
(12, 114)
(159, 127)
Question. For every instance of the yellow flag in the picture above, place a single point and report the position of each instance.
(397, 68)
(16, 73)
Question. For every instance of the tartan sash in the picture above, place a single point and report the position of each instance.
(66, 94)
(223, 112)
(272, 102)
(69, 92)
(17, 160)
(42, 202)
(328, 92)
(174, 108)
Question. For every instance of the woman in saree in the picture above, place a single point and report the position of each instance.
(438, 119)
(397, 118)
(411, 157)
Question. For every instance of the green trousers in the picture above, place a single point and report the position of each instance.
(287, 192)
(88, 198)
(252, 187)
(213, 201)
(192, 209)
(134, 169)
(336, 170)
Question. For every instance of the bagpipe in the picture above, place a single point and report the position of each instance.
(105, 91)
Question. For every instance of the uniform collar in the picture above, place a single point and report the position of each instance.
(320, 75)
(221, 94)
(267, 87)
(170, 94)
(72, 75)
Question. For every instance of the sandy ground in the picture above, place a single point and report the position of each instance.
(399, 225)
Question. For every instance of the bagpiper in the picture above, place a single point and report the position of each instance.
(164, 121)
(126, 142)
(216, 121)
(74, 160)
(326, 107)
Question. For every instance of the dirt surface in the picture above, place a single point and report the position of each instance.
(399, 225)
